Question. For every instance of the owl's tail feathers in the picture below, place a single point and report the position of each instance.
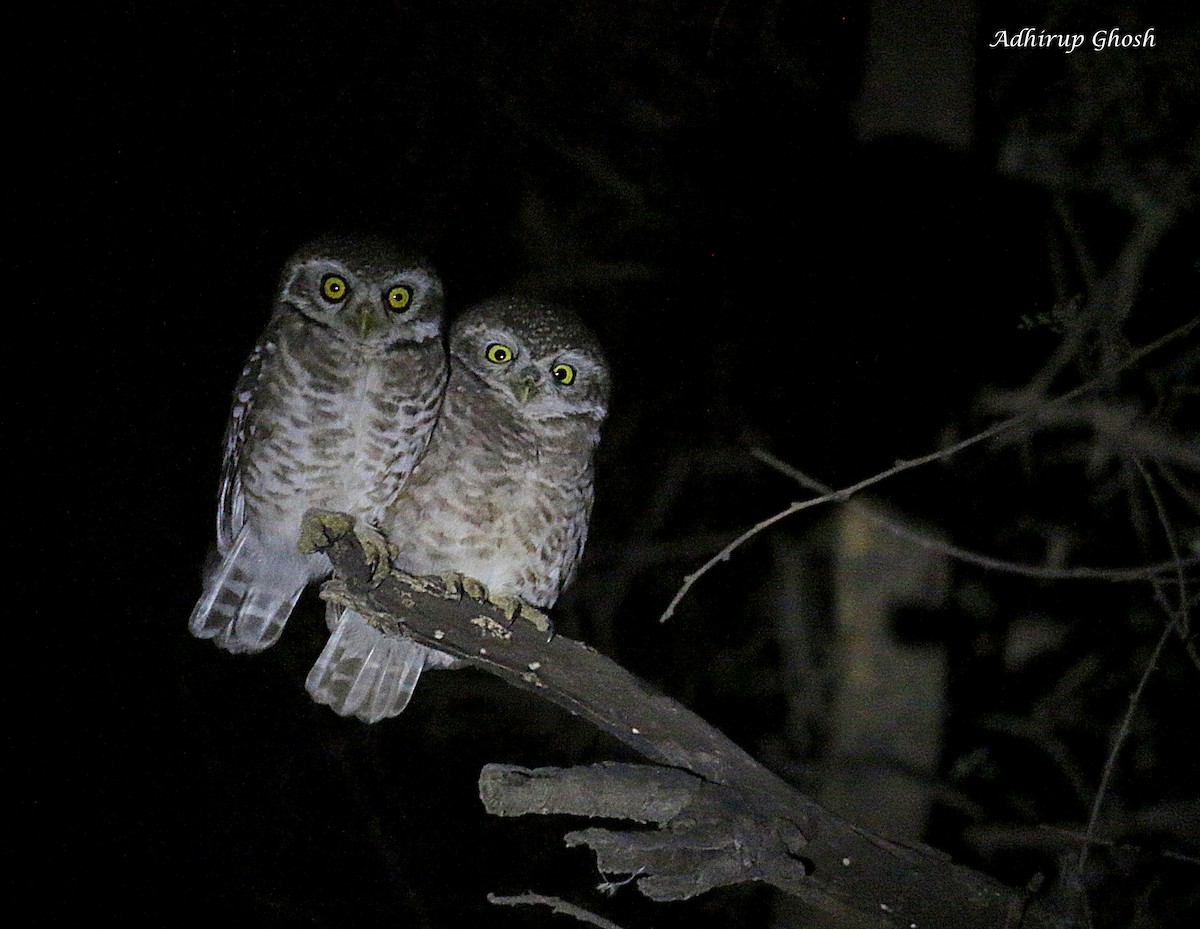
(363, 672)
(249, 597)
(333, 614)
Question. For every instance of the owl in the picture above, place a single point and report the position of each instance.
(501, 501)
(333, 410)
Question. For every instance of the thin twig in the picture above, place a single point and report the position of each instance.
(901, 466)
(1182, 616)
(716, 24)
(1074, 835)
(1110, 297)
(1115, 575)
(1175, 621)
(1189, 497)
(1122, 733)
(557, 904)
(1083, 258)
(1160, 597)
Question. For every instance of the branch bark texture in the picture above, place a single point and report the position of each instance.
(717, 816)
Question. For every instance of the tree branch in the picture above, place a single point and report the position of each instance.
(1039, 572)
(1038, 409)
(719, 806)
(556, 905)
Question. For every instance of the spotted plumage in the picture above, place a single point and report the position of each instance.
(502, 497)
(333, 410)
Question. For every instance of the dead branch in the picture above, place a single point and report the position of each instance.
(1030, 410)
(556, 905)
(720, 816)
(1113, 575)
(707, 837)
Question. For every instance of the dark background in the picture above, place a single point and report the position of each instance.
(769, 263)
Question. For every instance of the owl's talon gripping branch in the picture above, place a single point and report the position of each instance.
(460, 585)
(377, 550)
(321, 528)
(514, 606)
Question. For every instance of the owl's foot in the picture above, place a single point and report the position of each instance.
(512, 606)
(464, 585)
(515, 606)
(377, 550)
(452, 585)
(455, 586)
(321, 528)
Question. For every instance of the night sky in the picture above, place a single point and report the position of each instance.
(772, 257)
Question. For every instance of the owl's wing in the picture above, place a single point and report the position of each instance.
(250, 592)
(576, 541)
(231, 515)
(363, 672)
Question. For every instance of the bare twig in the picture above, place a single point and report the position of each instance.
(1189, 645)
(1190, 497)
(1114, 575)
(1110, 763)
(901, 466)
(1175, 622)
(1083, 258)
(1109, 297)
(1115, 426)
(557, 904)
(716, 25)
(1074, 836)
(1182, 616)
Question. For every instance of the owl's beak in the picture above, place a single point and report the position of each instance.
(526, 386)
(368, 320)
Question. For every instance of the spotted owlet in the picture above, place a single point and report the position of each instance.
(501, 500)
(333, 410)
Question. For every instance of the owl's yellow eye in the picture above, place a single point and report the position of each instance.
(333, 288)
(499, 354)
(399, 298)
(563, 373)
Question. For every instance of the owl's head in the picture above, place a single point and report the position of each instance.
(539, 358)
(367, 291)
